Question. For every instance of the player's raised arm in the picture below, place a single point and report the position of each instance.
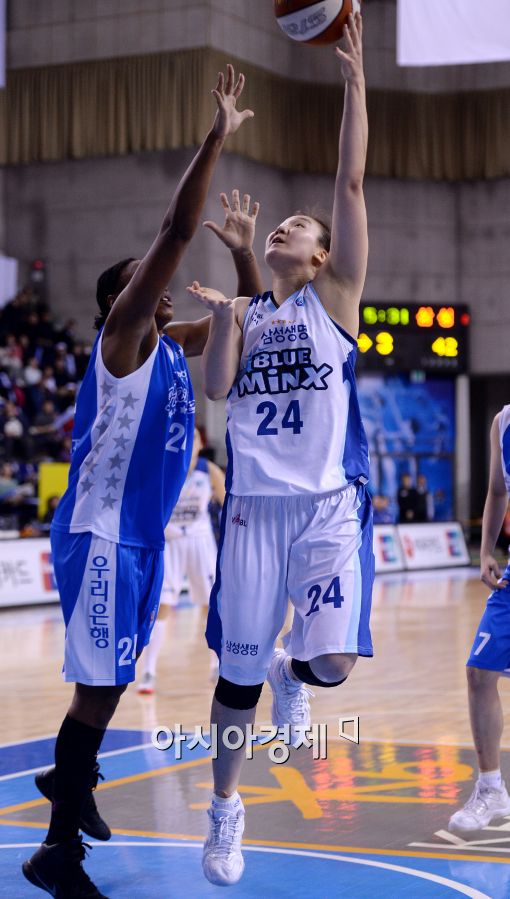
(343, 275)
(237, 233)
(130, 332)
(493, 514)
(220, 360)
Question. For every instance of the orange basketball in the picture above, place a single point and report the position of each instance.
(312, 22)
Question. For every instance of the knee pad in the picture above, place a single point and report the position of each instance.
(237, 696)
(305, 673)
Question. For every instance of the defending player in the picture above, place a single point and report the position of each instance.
(132, 447)
(490, 655)
(297, 520)
(190, 551)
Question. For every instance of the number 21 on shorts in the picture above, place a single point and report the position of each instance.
(332, 594)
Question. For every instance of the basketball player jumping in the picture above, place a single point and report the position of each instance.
(490, 655)
(132, 446)
(297, 520)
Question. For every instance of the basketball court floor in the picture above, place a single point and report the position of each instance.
(367, 820)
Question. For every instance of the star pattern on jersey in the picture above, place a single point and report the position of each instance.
(112, 481)
(129, 401)
(87, 484)
(121, 442)
(102, 427)
(124, 421)
(104, 470)
(116, 461)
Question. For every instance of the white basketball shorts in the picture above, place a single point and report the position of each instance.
(315, 550)
(194, 557)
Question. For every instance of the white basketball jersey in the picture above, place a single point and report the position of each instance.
(293, 419)
(190, 517)
(504, 441)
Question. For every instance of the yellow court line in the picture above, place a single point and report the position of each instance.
(120, 781)
(274, 844)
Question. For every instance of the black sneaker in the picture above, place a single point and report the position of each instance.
(58, 870)
(91, 821)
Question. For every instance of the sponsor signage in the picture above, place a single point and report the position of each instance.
(26, 572)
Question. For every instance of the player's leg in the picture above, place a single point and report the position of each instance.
(330, 583)
(201, 568)
(100, 585)
(172, 585)
(489, 658)
(247, 611)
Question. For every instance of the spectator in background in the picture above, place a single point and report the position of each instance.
(407, 498)
(44, 431)
(425, 500)
(14, 432)
(66, 447)
(11, 356)
(81, 360)
(52, 504)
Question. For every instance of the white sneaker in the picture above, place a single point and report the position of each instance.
(147, 684)
(483, 806)
(222, 860)
(291, 704)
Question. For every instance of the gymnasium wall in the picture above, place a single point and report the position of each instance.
(428, 241)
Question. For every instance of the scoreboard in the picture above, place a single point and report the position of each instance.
(409, 337)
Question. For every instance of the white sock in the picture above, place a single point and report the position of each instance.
(490, 779)
(151, 652)
(226, 802)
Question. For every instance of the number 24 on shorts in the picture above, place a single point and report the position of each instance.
(332, 594)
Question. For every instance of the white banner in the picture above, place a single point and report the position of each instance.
(8, 278)
(452, 32)
(438, 545)
(26, 572)
(387, 551)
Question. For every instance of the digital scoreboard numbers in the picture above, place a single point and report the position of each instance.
(402, 338)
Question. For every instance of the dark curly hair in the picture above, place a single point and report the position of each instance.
(109, 283)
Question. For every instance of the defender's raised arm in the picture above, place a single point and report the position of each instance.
(130, 333)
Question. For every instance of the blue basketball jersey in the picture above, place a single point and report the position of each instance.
(132, 444)
(504, 440)
(293, 419)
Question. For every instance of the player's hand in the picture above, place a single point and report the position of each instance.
(490, 573)
(350, 52)
(227, 92)
(212, 299)
(238, 230)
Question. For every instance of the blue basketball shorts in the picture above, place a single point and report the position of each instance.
(315, 551)
(491, 648)
(109, 595)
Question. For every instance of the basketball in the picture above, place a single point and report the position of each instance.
(314, 23)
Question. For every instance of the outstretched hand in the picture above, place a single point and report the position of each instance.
(351, 51)
(227, 92)
(212, 299)
(238, 230)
